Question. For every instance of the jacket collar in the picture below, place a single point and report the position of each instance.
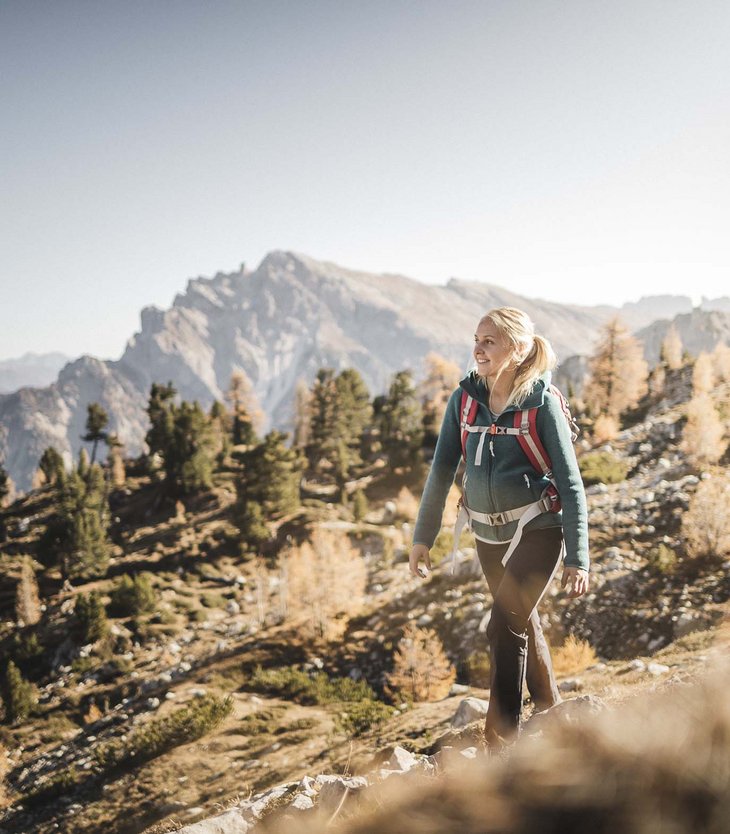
(476, 389)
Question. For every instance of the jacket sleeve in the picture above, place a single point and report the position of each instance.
(441, 477)
(555, 435)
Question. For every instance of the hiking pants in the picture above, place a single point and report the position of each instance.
(517, 646)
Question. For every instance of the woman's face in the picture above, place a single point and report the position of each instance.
(492, 351)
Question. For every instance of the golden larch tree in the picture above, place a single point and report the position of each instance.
(706, 524)
(672, 350)
(703, 374)
(441, 378)
(421, 669)
(325, 583)
(721, 361)
(617, 372)
(702, 437)
(27, 600)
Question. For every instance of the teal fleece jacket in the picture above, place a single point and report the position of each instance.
(506, 479)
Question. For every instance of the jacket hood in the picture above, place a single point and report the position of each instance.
(479, 391)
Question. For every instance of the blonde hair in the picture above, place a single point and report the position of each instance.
(535, 353)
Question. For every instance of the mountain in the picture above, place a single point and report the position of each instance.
(279, 324)
(31, 369)
(700, 330)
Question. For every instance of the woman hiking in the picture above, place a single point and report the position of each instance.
(512, 430)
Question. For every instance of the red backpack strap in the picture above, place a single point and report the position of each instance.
(468, 412)
(529, 440)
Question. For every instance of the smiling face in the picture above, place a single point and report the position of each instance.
(493, 352)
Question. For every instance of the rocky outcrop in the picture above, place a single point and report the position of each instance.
(31, 369)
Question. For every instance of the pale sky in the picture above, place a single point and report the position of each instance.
(575, 150)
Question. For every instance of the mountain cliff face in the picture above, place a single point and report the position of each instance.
(30, 369)
(279, 324)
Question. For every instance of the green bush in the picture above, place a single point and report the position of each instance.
(133, 596)
(297, 685)
(662, 559)
(162, 734)
(602, 468)
(360, 716)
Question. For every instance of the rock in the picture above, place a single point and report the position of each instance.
(469, 752)
(458, 689)
(636, 666)
(301, 802)
(232, 607)
(229, 822)
(401, 759)
(571, 685)
(333, 788)
(470, 709)
(657, 669)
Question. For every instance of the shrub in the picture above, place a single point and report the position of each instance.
(662, 559)
(478, 669)
(133, 596)
(91, 618)
(573, 656)
(359, 505)
(360, 716)
(298, 685)
(162, 734)
(602, 468)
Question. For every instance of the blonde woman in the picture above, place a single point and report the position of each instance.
(523, 517)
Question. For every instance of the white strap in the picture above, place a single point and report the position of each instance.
(531, 513)
(462, 519)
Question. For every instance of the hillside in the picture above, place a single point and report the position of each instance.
(217, 630)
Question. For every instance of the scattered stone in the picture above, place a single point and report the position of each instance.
(229, 822)
(301, 802)
(401, 759)
(571, 685)
(469, 752)
(458, 689)
(636, 666)
(470, 709)
(657, 668)
(232, 607)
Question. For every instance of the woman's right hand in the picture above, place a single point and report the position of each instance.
(419, 552)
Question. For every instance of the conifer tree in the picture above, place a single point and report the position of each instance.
(323, 414)
(671, 350)
(91, 618)
(19, 696)
(618, 372)
(302, 415)
(721, 361)
(27, 600)
(96, 421)
(401, 422)
(353, 414)
(52, 466)
(246, 412)
(182, 435)
(82, 539)
(268, 486)
(5, 484)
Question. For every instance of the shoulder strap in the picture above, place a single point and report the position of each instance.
(529, 440)
(574, 427)
(468, 413)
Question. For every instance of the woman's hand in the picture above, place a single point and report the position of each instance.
(419, 552)
(576, 581)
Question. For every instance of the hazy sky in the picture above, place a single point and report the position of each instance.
(574, 150)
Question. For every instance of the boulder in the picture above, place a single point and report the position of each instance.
(470, 709)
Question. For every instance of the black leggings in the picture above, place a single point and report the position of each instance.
(517, 646)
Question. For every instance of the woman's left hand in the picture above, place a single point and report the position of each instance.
(575, 580)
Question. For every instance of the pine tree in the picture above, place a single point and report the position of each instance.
(27, 601)
(91, 618)
(19, 696)
(302, 415)
(353, 414)
(618, 372)
(183, 436)
(270, 479)
(52, 466)
(96, 421)
(421, 669)
(247, 415)
(323, 415)
(83, 542)
(671, 350)
(401, 423)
